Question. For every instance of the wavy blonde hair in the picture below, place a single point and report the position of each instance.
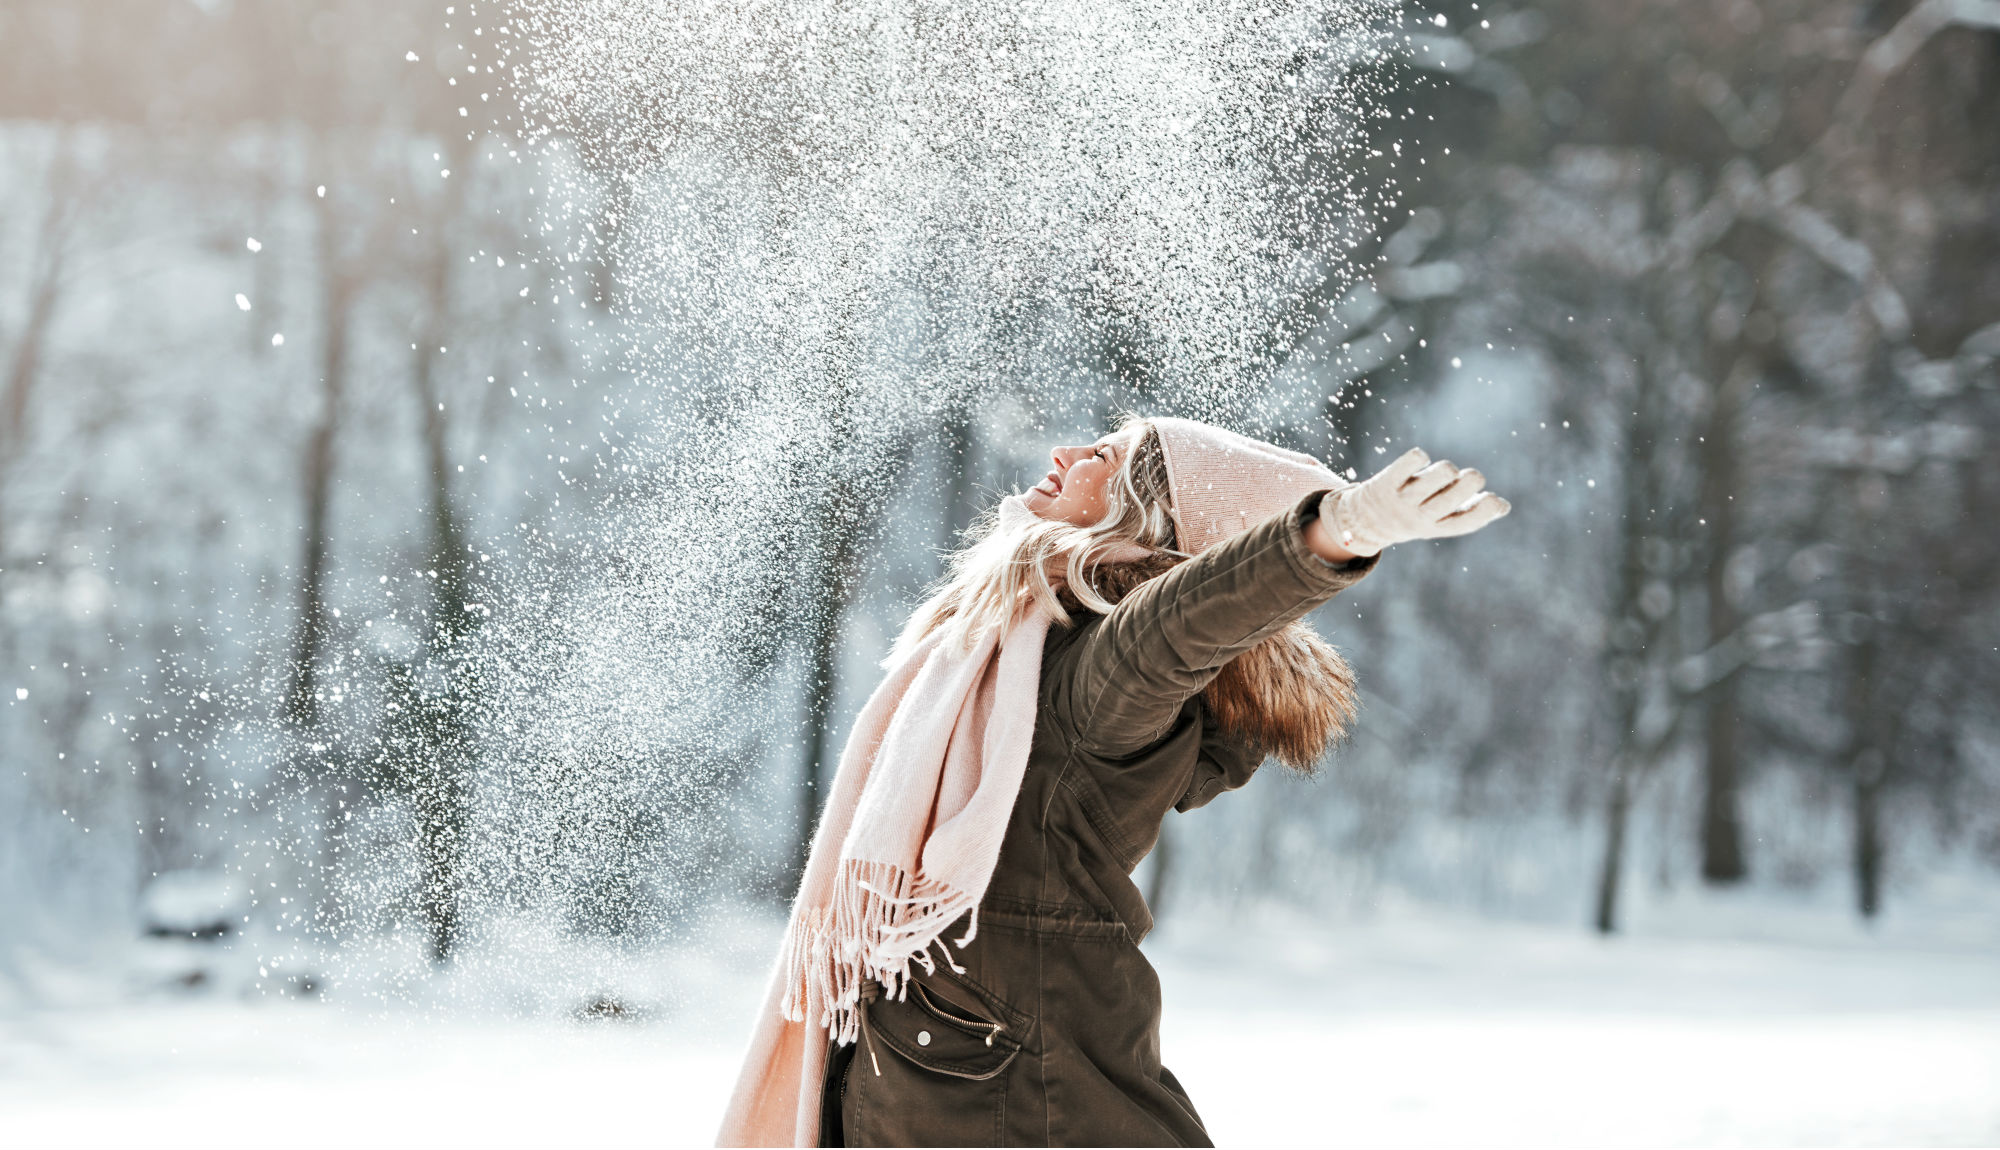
(998, 572)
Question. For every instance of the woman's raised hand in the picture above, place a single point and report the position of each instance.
(1411, 498)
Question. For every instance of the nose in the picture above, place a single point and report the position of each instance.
(1062, 457)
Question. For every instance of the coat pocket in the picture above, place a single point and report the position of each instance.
(941, 1036)
(927, 1072)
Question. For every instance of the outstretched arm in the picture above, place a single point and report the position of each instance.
(1170, 637)
(1166, 640)
(1411, 498)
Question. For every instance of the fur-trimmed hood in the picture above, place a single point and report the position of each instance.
(1291, 697)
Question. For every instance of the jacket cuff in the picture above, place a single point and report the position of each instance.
(1310, 567)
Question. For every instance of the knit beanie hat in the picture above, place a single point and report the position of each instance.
(1222, 483)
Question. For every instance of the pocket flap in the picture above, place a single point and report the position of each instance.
(941, 1037)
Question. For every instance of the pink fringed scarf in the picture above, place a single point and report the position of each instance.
(906, 845)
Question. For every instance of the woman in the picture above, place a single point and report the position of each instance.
(962, 965)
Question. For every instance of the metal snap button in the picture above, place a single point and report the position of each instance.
(923, 1038)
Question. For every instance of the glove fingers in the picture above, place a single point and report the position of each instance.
(1429, 481)
(1484, 509)
(1455, 494)
(1405, 465)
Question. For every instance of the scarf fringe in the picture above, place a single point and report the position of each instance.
(880, 921)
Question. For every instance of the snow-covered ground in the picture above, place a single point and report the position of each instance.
(1427, 1032)
(1724, 1025)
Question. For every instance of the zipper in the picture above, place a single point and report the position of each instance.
(956, 1014)
(869, 991)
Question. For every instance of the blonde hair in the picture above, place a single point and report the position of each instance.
(999, 572)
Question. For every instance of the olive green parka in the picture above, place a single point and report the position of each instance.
(1051, 1033)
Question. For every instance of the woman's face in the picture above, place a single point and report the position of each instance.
(1074, 492)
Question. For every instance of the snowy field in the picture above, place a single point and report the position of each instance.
(1737, 1027)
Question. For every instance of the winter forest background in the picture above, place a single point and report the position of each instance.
(461, 465)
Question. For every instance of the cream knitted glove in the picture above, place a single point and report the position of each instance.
(1411, 498)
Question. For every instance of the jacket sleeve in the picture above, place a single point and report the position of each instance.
(1166, 640)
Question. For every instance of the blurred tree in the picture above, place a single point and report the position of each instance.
(1705, 220)
(63, 196)
(442, 757)
(340, 276)
(1727, 216)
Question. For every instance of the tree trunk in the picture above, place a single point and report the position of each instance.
(818, 771)
(830, 573)
(441, 803)
(302, 694)
(1870, 765)
(24, 365)
(822, 669)
(443, 779)
(961, 462)
(1617, 814)
(1722, 858)
(1633, 637)
(1868, 774)
(44, 291)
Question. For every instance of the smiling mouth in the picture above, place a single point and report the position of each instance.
(1051, 485)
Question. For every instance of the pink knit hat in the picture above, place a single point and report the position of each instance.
(1222, 482)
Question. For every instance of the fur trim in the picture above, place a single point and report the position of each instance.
(1290, 697)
